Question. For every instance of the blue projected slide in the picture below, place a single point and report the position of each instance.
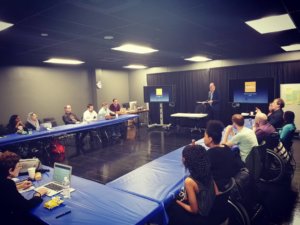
(157, 94)
(164, 97)
(260, 90)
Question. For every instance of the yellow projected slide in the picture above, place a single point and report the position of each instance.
(159, 91)
(250, 86)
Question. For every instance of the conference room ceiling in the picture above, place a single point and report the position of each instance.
(177, 28)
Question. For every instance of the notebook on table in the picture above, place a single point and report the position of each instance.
(56, 185)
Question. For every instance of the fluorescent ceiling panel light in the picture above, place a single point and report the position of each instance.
(198, 59)
(293, 47)
(272, 24)
(135, 66)
(135, 49)
(64, 61)
(4, 25)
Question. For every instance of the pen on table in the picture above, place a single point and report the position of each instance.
(65, 213)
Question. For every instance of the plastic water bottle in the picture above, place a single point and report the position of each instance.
(66, 190)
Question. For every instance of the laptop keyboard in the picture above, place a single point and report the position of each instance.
(54, 187)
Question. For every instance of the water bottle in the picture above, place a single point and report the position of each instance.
(66, 190)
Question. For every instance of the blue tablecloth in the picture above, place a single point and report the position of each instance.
(61, 130)
(159, 180)
(94, 203)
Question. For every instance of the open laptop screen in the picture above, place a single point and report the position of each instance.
(61, 171)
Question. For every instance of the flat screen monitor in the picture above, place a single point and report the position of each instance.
(260, 90)
(132, 105)
(158, 94)
(126, 105)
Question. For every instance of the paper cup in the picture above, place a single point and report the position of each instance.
(31, 172)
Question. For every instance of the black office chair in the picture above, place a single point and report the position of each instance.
(279, 162)
(275, 159)
(3, 130)
(221, 210)
(255, 161)
(244, 200)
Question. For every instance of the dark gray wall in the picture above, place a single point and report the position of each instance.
(115, 84)
(43, 90)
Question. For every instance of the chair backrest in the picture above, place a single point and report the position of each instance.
(272, 140)
(3, 130)
(220, 210)
(228, 187)
(255, 161)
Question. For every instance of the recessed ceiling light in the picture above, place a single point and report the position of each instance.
(4, 25)
(272, 24)
(135, 49)
(108, 37)
(293, 47)
(132, 66)
(64, 61)
(198, 59)
(44, 34)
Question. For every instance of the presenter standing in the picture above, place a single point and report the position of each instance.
(213, 101)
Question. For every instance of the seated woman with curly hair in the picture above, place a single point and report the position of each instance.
(200, 189)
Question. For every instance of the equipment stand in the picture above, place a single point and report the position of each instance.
(161, 119)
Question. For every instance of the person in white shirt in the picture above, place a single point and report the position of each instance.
(105, 112)
(90, 114)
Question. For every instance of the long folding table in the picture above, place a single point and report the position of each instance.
(95, 203)
(159, 180)
(62, 130)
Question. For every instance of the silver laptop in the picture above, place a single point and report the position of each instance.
(55, 186)
(45, 126)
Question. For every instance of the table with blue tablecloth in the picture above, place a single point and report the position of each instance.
(62, 130)
(159, 180)
(95, 203)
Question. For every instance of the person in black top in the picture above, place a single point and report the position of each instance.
(15, 124)
(14, 208)
(224, 163)
(275, 117)
(69, 117)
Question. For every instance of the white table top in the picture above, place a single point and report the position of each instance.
(189, 115)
